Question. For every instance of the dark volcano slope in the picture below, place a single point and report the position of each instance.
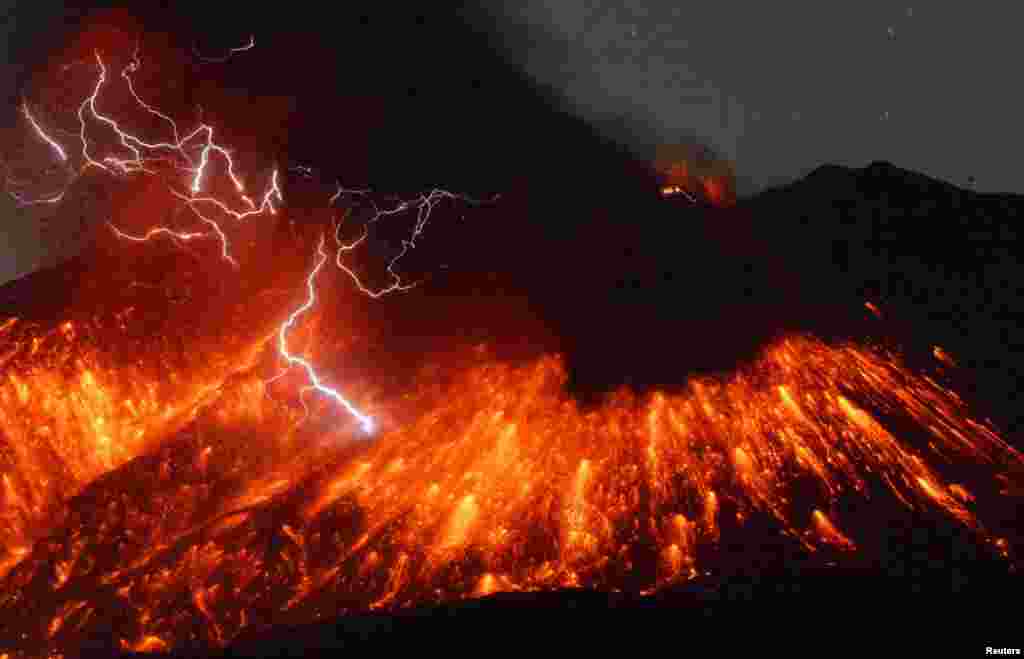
(944, 261)
(770, 612)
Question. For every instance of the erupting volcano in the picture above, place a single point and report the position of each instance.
(169, 480)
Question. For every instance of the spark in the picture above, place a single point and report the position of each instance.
(365, 421)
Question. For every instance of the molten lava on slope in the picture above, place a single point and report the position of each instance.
(251, 516)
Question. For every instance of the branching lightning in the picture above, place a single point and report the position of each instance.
(231, 52)
(422, 205)
(365, 421)
(190, 154)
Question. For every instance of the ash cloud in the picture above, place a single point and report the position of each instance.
(619, 69)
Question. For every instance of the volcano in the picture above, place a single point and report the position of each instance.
(643, 411)
(170, 502)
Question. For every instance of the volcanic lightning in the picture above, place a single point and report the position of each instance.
(230, 53)
(498, 481)
(143, 158)
(423, 205)
(365, 421)
(189, 154)
(57, 148)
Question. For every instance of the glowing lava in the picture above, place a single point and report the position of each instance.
(71, 412)
(504, 483)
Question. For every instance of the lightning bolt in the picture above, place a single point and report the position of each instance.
(58, 151)
(190, 155)
(201, 139)
(38, 201)
(316, 384)
(183, 236)
(57, 148)
(423, 206)
(231, 51)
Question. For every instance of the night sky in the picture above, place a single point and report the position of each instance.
(22, 242)
(776, 89)
(559, 106)
(782, 87)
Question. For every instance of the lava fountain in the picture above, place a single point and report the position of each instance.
(501, 482)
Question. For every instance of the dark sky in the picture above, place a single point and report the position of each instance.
(777, 88)
(782, 87)
(21, 238)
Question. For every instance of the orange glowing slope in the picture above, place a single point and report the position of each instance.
(83, 398)
(256, 514)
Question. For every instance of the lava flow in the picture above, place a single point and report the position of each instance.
(176, 497)
(71, 411)
(500, 482)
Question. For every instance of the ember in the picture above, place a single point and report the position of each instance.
(503, 483)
